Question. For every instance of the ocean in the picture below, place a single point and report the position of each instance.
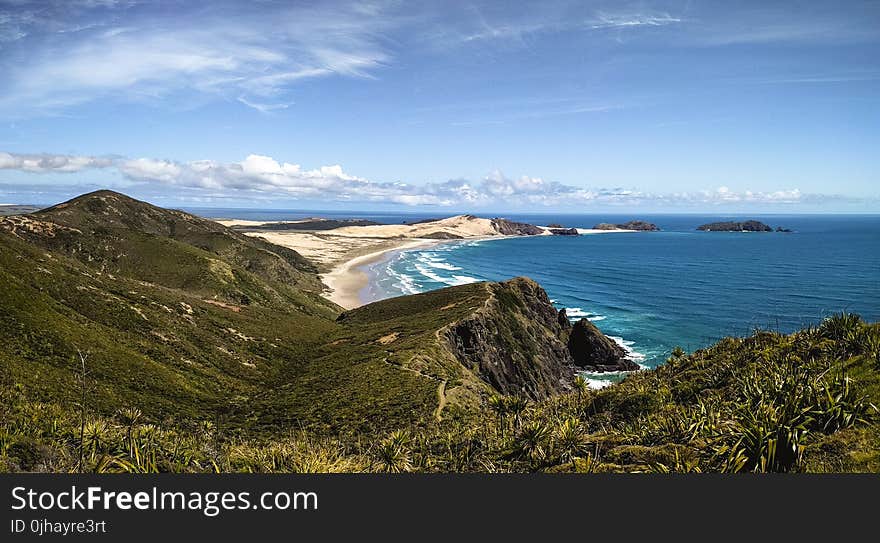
(652, 291)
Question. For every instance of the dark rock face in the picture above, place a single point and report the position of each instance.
(746, 226)
(781, 229)
(562, 318)
(513, 228)
(519, 344)
(555, 225)
(564, 231)
(441, 235)
(641, 226)
(593, 351)
(515, 343)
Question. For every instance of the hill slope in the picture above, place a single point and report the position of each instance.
(208, 350)
(186, 318)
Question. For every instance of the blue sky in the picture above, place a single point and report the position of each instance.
(555, 105)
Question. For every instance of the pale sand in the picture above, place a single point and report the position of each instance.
(464, 226)
(342, 253)
(346, 281)
(327, 250)
(588, 231)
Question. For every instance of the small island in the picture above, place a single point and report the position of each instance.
(746, 226)
(564, 231)
(641, 226)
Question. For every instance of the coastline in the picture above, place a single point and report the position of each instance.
(346, 280)
(342, 254)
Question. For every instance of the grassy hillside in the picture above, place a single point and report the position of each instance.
(769, 402)
(187, 319)
(208, 350)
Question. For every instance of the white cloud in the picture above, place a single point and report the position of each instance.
(45, 163)
(631, 20)
(260, 176)
(145, 169)
(261, 107)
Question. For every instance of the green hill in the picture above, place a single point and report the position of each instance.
(210, 350)
(183, 317)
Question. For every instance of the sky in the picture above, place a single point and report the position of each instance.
(654, 106)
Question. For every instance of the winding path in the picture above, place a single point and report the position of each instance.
(441, 399)
(441, 388)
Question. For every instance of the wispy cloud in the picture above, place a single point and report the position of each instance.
(263, 108)
(254, 54)
(57, 54)
(632, 20)
(263, 177)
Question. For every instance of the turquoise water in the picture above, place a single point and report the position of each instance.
(653, 291)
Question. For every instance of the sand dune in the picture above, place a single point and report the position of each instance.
(340, 253)
(465, 226)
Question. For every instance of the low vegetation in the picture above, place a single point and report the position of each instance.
(765, 403)
(137, 339)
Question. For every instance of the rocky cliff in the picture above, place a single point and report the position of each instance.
(592, 350)
(519, 344)
(513, 228)
(515, 341)
(186, 318)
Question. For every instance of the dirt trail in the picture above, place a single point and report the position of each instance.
(441, 397)
(441, 388)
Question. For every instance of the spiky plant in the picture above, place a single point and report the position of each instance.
(393, 453)
(130, 417)
(871, 344)
(498, 404)
(532, 442)
(516, 405)
(581, 386)
(95, 437)
(568, 440)
(845, 329)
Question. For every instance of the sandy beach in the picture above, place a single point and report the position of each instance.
(346, 281)
(341, 253)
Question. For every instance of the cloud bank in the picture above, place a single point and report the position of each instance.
(263, 177)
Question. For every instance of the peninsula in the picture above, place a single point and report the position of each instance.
(341, 248)
(203, 349)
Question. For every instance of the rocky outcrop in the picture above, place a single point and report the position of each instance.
(785, 230)
(515, 341)
(512, 228)
(641, 226)
(519, 344)
(729, 226)
(441, 235)
(592, 350)
(564, 231)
